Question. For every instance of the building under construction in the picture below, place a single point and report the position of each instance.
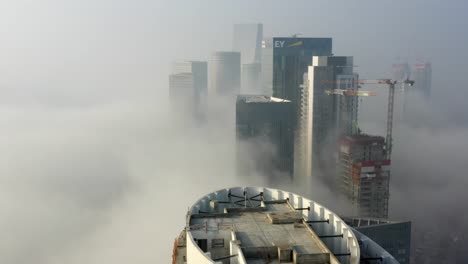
(249, 225)
(365, 174)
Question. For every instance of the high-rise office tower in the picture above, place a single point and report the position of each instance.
(327, 111)
(267, 67)
(365, 175)
(182, 93)
(417, 96)
(422, 76)
(345, 114)
(291, 59)
(188, 87)
(400, 72)
(263, 121)
(247, 39)
(251, 78)
(224, 73)
(199, 69)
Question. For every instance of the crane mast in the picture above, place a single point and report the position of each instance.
(390, 105)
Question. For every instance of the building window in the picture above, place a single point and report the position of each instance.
(217, 243)
(203, 244)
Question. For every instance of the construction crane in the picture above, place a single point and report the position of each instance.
(391, 96)
(350, 92)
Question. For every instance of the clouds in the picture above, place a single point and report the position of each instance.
(105, 183)
(429, 173)
(95, 169)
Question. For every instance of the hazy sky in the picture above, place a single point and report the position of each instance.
(91, 159)
(71, 46)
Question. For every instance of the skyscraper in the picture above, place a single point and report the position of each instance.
(365, 175)
(182, 93)
(326, 112)
(417, 96)
(422, 75)
(251, 78)
(267, 67)
(400, 72)
(291, 58)
(247, 39)
(264, 120)
(189, 85)
(224, 73)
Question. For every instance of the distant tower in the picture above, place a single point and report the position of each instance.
(224, 73)
(188, 86)
(267, 67)
(182, 93)
(419, 95)
(400, 72)
(247, 39)
(422, 75)
(263, 121)
(251, 78)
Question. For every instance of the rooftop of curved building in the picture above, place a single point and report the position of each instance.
(263, 225)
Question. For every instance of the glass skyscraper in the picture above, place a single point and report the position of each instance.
(247, 39)
(188, 86)
(422, 75)
(225, 73)
(263, 121)
(291, 59)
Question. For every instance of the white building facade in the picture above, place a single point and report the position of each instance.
(325, 115)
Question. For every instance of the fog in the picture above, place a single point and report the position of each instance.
(95, 167)
(108, 183)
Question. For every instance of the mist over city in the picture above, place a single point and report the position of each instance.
(127, 125)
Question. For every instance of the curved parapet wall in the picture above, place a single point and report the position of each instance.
(372, 251)
(208, 226)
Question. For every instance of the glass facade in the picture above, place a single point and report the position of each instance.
(264, 121)
(291, 58)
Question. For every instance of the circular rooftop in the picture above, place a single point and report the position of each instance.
(264, 225)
